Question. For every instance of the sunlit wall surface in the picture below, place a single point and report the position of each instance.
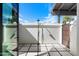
(9, 29)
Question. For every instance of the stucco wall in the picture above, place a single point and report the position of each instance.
(73, 38)
(78, 29)
(74, 35)
(10, 36)
(30, 35)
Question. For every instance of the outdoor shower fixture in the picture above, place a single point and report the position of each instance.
(38, 31)
(42, 34)
(38, 36)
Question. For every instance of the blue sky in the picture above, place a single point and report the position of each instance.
(33, 11)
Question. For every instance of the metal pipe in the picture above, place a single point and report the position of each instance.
(38, 37)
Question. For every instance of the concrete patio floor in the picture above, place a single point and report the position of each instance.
(44, 50)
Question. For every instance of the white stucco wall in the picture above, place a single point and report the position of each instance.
(8, 31)
(27, 35)
(78, 29)
(74, 35)
(30, 34)
(73, 38)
